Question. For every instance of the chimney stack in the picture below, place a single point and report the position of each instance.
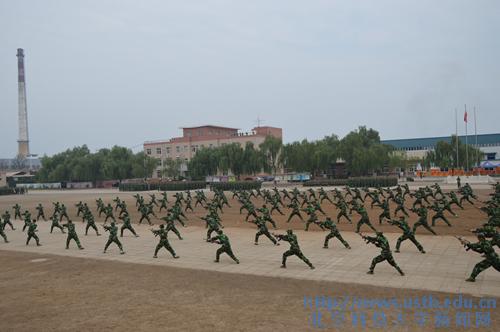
(23, 141)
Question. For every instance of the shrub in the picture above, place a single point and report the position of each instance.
(7, 191)
(165, 186)
(237, 185)
(355, 182)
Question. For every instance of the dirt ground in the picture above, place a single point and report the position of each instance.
(54, 293)
(470, 217)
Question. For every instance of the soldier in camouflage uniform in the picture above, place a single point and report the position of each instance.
(63, 213)
(2, 233)
(213, 225)
(144, 215)
(153, 200)
(364, 219)
(275, 206)
(32, 233)
(342, 206)
(162, 233)
(263, 230)
(295, 211)
(386, 255)
(72, 234)
(163, 202)
(27, 219)
(422, 220)
(386, 212)
(108, 211)
(313, 218)
(90, 222)
(41, 213)
(223, 240)
(454, 199)
(6, 220)
(407, 234)
(266, 215)
(55, 223)
(334, 232)
(439, 214)
(17, 211)
(113, 237)
(485, 248)
(79, 207)
(400, 206)
(170, 223)
(294, 248)
(127, 225)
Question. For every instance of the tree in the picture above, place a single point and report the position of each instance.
(444, 155)
(363, 153)
(271, 148)
(172, 168)
(79, 164)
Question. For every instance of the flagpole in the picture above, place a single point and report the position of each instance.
(456, 136)
(466, 142)
(475, 133)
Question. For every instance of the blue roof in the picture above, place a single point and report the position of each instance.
(430, 142)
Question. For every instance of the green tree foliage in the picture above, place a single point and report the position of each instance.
(79, 164)
(315, 157)
(229, 157)
(363, 153)
(172, 168)
(445, 155)
(271, 148)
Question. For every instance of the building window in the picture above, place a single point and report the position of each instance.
(158, 162)
(168, 150)
(193, 149)
(158, 174)
(185, 148)
(178, 149)
(148, 151)
(158, 150)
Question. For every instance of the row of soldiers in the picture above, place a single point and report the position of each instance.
(214, 224)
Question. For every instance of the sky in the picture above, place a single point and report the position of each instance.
(106, 73)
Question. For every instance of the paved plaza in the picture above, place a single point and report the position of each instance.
(444, 267)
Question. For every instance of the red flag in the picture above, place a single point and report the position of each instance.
(465, 116)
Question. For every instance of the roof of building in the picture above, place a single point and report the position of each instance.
(420, 143)
(210, 126)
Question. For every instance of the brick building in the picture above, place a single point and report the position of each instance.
(196, 138)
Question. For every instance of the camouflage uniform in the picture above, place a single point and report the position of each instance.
(17, 211)
(127, 225)
(113, 237)
(334, 232)
(363, 220)
(41, 213)
(72, 235)
(32, 233)
(163, 242)
(491, 258)
(55, 223)
(6, 220)
(407, 234)
(294, 248)
(386, 255)
(422, 220)
(223, 240)
(263, 230)
(2, 233)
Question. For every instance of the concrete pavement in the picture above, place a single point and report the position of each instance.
(444, 267)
